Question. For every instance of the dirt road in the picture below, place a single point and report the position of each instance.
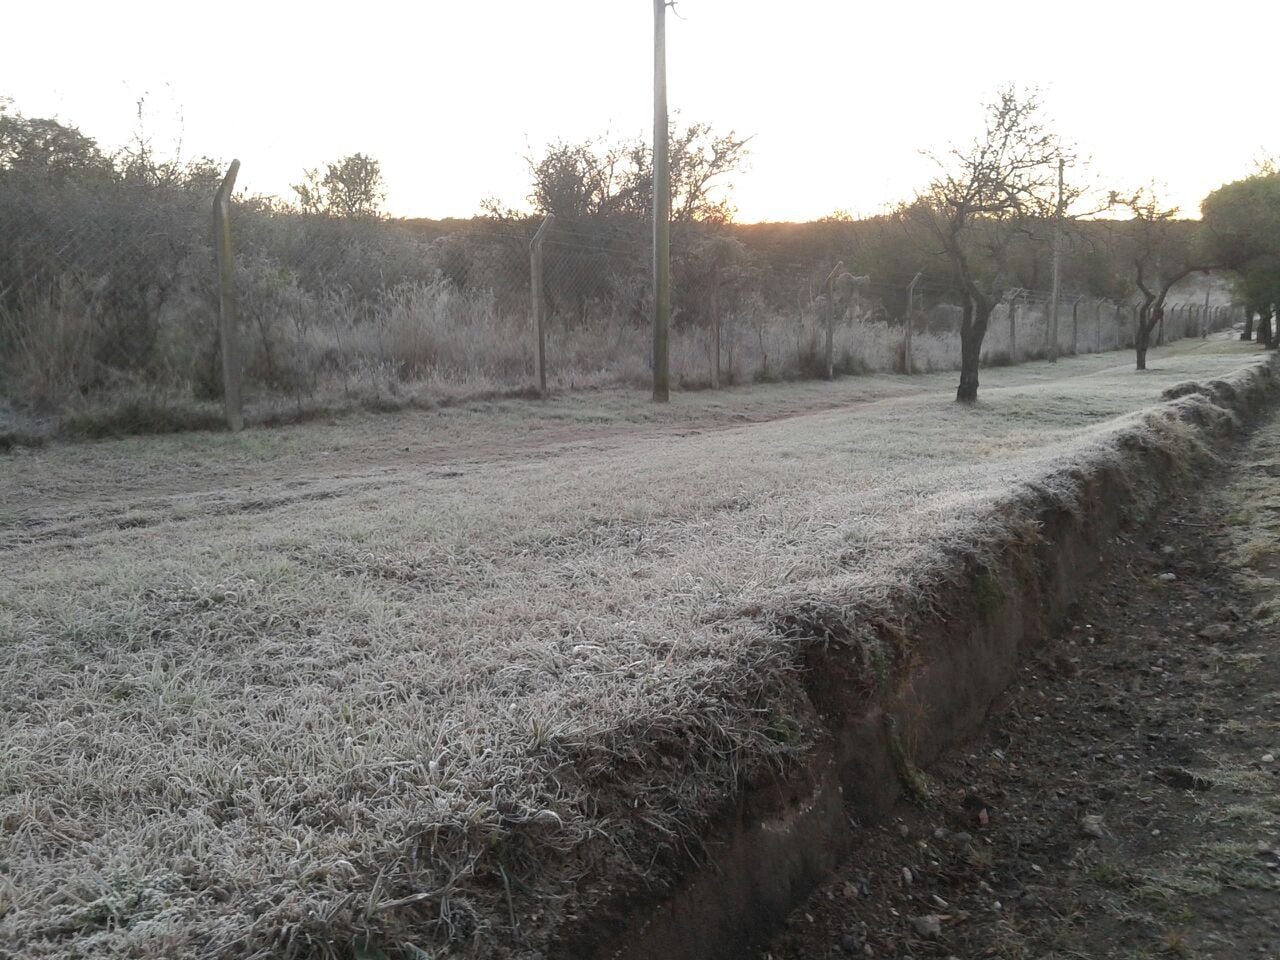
(1125, 799)
(68, 490)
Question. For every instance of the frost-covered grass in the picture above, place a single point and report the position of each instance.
(438, 678)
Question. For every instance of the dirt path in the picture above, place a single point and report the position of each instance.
(1125, 799)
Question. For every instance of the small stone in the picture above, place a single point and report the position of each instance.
(962, 837)
(1268, 758)
(1091, 826)
(904, 831)
(929, 926)
(907, 877)
(1166, 577)
(1216, 631)
(850, 942)
(1167, 551)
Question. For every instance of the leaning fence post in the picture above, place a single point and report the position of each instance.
(228, 333)
(831, 319)
(538, 302)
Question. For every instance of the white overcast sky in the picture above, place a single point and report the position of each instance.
(840, 97)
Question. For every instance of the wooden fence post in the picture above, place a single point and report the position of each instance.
(831, 319)
(228, 333)
(1075, 325)
(910, 323)
(715, 325)
(538, 303)
(1013, 327)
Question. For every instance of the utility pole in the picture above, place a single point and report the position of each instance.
(661, 210)
(1057, 269)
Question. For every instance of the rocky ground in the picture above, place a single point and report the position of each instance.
(1124, 800)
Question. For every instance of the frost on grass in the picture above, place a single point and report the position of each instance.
(451, 711)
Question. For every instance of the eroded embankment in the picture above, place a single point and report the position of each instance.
(936, 666)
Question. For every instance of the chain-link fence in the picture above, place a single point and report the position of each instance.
(109, 289)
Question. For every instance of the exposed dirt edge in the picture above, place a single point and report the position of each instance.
(1006, 597)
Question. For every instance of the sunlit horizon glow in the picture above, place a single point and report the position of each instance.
(842, 104)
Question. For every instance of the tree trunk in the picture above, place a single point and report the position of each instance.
(1264, 330)
(1150, 313)
(973, 327)
(1247, 332)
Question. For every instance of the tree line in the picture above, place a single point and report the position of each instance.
(124, 236)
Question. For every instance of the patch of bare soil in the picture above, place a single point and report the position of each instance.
(1124, 800)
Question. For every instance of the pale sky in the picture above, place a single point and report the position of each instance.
(840, 97)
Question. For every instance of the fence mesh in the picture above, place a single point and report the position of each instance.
(108, 288)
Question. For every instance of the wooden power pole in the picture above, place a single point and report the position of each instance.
(661, 210)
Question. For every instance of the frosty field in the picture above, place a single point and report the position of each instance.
(442, 680)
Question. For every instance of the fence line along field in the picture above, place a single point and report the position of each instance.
(110, 297)
(442, 681)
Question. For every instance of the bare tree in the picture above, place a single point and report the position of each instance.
(974, 207)
(1160, 250)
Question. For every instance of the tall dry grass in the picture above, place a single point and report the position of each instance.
(336, 314)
